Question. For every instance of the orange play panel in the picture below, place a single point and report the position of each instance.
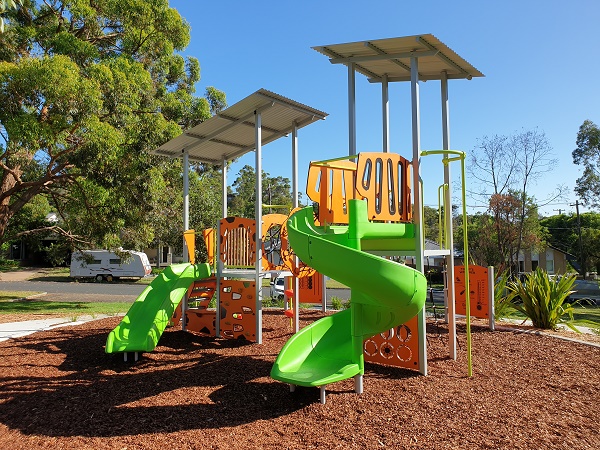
(479, 292)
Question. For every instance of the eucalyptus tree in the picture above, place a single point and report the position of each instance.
(587, 154)
(87, 89)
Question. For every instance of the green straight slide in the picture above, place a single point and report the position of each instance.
(144, 323)
(384, 294)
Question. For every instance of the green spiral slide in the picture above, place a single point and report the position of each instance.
(144, 323)
(384, 294)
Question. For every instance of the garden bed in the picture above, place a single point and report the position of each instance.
(58, 389)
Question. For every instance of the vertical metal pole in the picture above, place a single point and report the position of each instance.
(219, 277)
(417, 200)
(296, 286)
(218, 265)
(224, 187)
(351, 110)
(186, 226)
(324, 298)
(491, 298)
(186, 199)
(450, 294)
(258, 218)
(385, 113)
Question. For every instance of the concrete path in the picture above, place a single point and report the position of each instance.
(18, 329)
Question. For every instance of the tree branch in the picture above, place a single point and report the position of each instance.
(55, 229)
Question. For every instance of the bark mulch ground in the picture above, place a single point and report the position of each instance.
(58, 389)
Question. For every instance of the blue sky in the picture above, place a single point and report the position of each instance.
(540, 59)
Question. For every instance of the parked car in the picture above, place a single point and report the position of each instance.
(278, 287)
(107, 265)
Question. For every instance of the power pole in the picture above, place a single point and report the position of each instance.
(559, 211)
(583, 269)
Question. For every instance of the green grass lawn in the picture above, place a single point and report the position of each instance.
(66, 308)
(590, 313)
(15, 295)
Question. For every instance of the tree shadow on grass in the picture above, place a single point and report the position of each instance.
(28, 306)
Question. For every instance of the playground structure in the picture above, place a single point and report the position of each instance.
(368, 209)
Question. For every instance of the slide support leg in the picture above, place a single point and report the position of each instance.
(358, 383)
(292, 387)
(322, 389)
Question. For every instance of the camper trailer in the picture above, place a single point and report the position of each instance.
(106, 265)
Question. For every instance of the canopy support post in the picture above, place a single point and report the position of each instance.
(258, 218)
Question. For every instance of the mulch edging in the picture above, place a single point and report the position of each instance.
(58, 389)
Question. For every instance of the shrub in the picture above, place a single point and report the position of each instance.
(336, 303)
(268, 302)
(542, 299)
(503, 306)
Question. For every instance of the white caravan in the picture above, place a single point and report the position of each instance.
(106, 265)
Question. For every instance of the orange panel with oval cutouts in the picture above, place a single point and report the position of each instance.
(331, 186)
(384, 180)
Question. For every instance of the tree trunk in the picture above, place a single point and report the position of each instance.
(9, 181)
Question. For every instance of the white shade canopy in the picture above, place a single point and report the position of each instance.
(392, 57)
(231, 133)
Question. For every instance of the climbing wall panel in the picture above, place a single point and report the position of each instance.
(398, 347)
(238, 309)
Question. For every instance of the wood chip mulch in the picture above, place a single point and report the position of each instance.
(58, 389)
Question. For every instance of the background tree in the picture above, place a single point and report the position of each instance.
(87, 89)
(562, 231)
(5, 5)
(431, 224)
(275, 191)
(587, 154)
(504, 169)
(497, 236)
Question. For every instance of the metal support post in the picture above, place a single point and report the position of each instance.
(186, 199)
(450, 294)
(491, 298)
(295, 199)
(224, 188)
(258, 217)
(351, 110)
(385, 113)
(417, 200)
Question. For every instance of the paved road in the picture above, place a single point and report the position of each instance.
(120, 291)
(74, 291)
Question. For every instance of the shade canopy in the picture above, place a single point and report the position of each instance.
(392, 58)
(231, 133)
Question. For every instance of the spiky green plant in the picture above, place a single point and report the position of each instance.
(503, 306)
(542, 299)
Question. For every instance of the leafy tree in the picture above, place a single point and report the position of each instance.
(483, 249)
(275, 191)
(587, 154)
(497, 236)
(87, 89)
(5, 5)
(563, 234)
(516, 224)
(504, 169)
(431, 224)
